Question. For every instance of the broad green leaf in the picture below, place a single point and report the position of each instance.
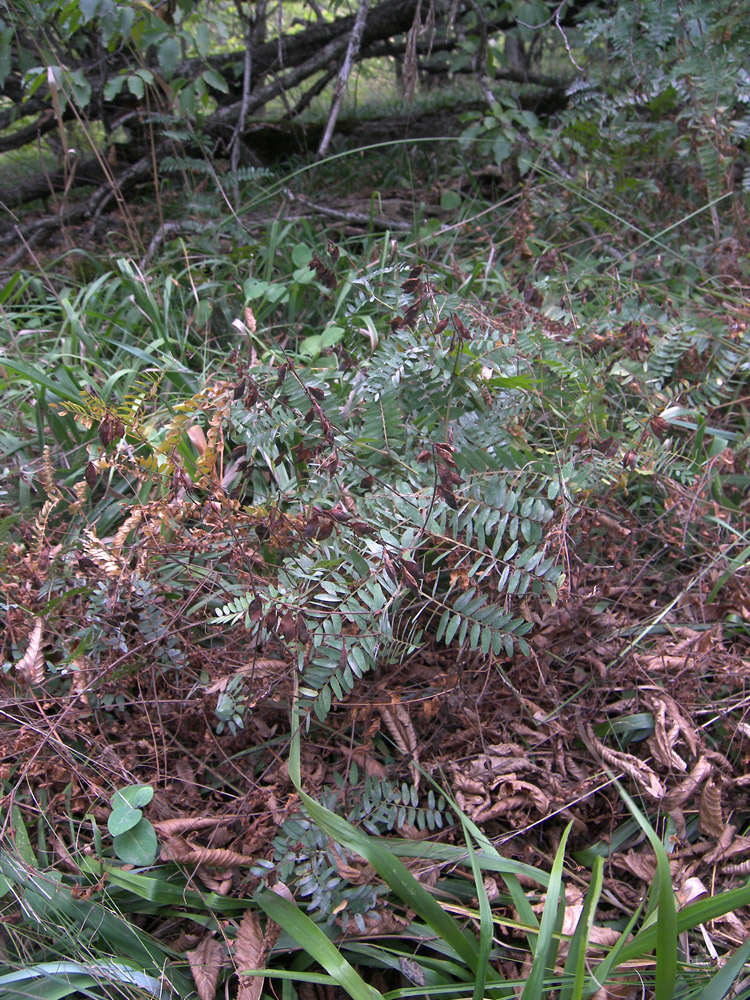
(137, 846)
(89, 9)
(122, 819)
(215, 80)
(135, 796)
(301, 255)
(168, 54)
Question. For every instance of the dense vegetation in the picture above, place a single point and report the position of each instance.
(374, 524)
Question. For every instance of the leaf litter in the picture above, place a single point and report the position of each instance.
(524, 744)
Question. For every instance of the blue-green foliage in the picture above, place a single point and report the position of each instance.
(308, 861)
(434, 528)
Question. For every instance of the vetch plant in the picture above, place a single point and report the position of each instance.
(134, 838)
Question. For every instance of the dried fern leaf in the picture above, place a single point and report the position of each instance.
(710, 820)
(31, 664)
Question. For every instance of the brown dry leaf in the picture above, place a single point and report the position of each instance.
(664, 738)
(198, 437)
(178, 849)
(361, 875)
(283, 890)
(113, 568)
(640, 865)
(249, 953)
(80, 677)
(727, 846)
(710, 820)
(528, 793)
(399, 725)
(369, 765)
(187, 824)
(376, 922)
(206, 961)
(679, 796)
(574, 903)
(221, 886)
(128, 525)
(690, 890)
(31, 664)
(635, 768)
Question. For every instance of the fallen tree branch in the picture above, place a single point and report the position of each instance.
(356, 218)
(352, 51)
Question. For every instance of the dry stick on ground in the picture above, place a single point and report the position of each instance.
(352, 51)
(357, 218)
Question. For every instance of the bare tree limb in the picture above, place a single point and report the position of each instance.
(352, 51)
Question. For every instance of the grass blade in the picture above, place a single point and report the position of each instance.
(288, 916)
(721, 983)
(385, 864)
(546, 945)
(575, 964)
(666, 917)
(485, 921)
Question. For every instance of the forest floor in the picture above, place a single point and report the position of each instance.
(632, 675)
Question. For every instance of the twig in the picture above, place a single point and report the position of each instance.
(352, 50)
(358, 218)
(480, 56)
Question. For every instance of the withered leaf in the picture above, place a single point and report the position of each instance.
(339, 514)
(445, 451)
(303, 633)
(361, 529)
(410, 285)
(324, 274)
(179, 849)
(254, 609)
(31, 664)
(249, 953)
(710, 820)
(205, 962)
(91, 475)
(448, 497)
(399, 725)
(288, 627)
